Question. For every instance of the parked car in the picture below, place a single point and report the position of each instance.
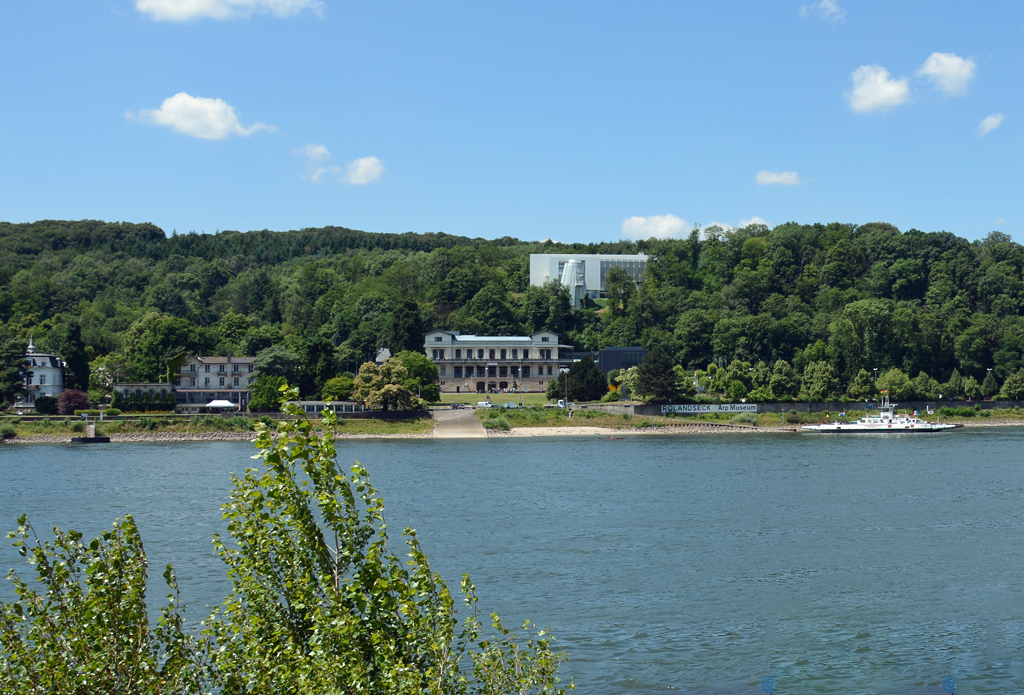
(484, 404)
(510, 405)
(458, 406)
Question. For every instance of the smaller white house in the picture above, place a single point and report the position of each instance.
(45, 376)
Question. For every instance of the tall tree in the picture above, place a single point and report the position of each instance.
(65, 340)
(14, 368)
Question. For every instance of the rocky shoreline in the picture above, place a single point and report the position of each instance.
(191, 437)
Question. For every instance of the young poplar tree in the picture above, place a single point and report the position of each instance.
(321, 604)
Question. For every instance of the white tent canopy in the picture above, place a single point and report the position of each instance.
(220, 404)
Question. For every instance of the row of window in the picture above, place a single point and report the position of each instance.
(492, 354)
(206, 381)
(492, 371)
(221, 368)
(139, 393)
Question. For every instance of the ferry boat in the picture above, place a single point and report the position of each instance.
(886, 420)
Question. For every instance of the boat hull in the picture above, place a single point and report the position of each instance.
(878, 430)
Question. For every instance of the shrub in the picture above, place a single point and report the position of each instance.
(793, 417)
(111, 412)
(239, 422)
(497, 423)
(745, 418)
(648, 423)
(7, 431)
(46, 405)
(90, 413)
(146, 423)
(71, 401)
(78, 427)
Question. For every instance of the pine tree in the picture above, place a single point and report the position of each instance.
(657, 378)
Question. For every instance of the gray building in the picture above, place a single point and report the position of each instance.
(584, 273)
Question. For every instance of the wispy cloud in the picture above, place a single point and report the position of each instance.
(949, 72)
(777, 178)
(316, 154)
(1000, 221)
(209, 119)
(364, 170)
(654, 227)
(753, 220)
(874, 89)
(185, 10)
(990, 123)
(826, 9)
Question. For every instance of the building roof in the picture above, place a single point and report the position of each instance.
(217, 359)
(383, 356)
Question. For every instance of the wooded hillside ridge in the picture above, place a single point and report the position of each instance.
(840, 300)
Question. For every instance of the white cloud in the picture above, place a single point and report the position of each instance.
(210, 119)
(1000, 221)
(990, 123)
(949, 72)
(826, 9)
(364, 170)
(782, 178)
(873, 89)
(753, 220)
(655, 226)
(185, 10)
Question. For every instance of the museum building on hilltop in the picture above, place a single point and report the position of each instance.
(495, 364)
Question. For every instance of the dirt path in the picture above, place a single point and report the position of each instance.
(457, 424)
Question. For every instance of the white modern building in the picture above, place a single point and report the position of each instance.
(496, 364)
(584, 273)
(45, 376)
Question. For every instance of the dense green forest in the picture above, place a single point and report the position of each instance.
(836, 300)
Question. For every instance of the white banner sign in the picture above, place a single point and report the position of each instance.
(710, 408)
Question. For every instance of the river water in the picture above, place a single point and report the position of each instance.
(698, 564)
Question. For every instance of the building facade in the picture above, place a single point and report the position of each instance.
(201, 380)
(45, 376)
(614, 357)
(496, 364)
(584, 273)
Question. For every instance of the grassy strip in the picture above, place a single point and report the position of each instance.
(558, 417)
(202, 424)
(537, 398)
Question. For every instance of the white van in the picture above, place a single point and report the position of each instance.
(483, 404)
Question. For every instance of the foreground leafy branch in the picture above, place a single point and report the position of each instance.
(87, 630)
(320, 603)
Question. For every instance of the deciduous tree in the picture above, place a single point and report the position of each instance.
(384, 386)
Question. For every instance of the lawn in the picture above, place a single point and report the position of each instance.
(497, 398)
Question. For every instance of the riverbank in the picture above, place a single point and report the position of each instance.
(562, 430)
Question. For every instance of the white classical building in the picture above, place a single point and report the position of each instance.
(584, 273)
(201, 380)
(495, 364)
(45, 376)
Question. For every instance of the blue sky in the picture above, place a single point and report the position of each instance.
(579, 121)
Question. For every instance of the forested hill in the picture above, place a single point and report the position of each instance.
(856, 297)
